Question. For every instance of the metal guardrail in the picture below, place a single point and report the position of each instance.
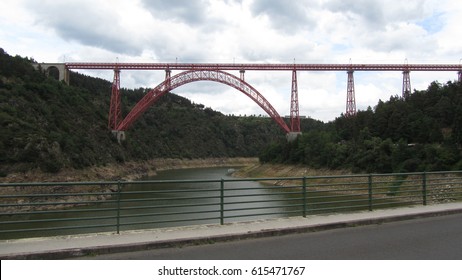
(43, 209)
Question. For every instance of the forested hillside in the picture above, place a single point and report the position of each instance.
(420, 133)
(49, 125)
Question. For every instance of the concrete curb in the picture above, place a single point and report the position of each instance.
(180, 242)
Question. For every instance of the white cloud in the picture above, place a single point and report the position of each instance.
(311, 31)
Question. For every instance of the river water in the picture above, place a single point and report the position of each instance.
(196, 198)
(163, 204)
(245, 200)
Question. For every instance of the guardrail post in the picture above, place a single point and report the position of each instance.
(119, 189)
(424, 188)
(222, 201)
(304, 196)
(370, 191)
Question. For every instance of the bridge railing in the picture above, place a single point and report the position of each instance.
(45, 209)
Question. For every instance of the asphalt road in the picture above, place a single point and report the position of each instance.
(437, 238)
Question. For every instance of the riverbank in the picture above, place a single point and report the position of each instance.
(268, 170)
(128, 171)
(440, 189)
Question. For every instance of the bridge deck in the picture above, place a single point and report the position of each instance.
(265, 67)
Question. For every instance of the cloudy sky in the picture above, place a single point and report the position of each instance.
(250, 31)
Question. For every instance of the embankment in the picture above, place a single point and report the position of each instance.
(127, 171)
(268, 170)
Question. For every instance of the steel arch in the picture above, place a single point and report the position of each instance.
(190, 76)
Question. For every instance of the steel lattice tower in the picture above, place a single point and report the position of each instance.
(351, 101)
(406, 84)
(294, 108)
(115, 114)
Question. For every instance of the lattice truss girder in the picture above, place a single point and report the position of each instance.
(201, 75)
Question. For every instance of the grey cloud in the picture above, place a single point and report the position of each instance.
(83, 23)
(377, 14)
(97, 38)
(288, 16)
(369, 11)
(188, 11)
(181, 49)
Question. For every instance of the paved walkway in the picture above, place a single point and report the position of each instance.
(61, 247)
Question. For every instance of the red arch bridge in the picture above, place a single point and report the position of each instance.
(192, 72)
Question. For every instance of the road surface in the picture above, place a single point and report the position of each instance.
(430, 238)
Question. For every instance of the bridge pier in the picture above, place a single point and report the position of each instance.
(406, 84)
(168, 74)
(60, 67)
(115, 113)
(294, 108)
(351, 102)
(119, 135)
(242, 74)
(292, 136)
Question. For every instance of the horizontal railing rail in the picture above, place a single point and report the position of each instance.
(60, 208)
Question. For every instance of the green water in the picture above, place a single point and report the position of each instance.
(157, 207)
(168, 204)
